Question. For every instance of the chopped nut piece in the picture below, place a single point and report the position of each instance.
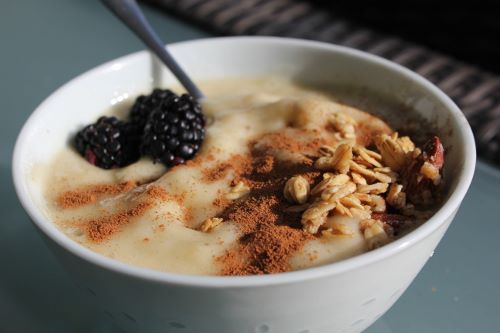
(431, 172)
(238, 191)
(209, 224)
(418, 187)
(315, 216)
(374, 233)
(376, 188)
(377, 203)
(396, 197)
(434, 151)
(297, 190)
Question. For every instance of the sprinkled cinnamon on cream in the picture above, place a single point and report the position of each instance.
(102, 228)
(158, 192)
(89, 194)
(270, 235)
(235, 163)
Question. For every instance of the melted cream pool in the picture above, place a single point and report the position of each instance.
(165, 237)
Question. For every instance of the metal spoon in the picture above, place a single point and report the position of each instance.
(129, 13)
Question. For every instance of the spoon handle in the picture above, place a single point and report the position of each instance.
(128, 12)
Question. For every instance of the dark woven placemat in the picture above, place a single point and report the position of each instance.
(476, 91)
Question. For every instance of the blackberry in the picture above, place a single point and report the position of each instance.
(145, 104)
(174, 130)
(108, 143)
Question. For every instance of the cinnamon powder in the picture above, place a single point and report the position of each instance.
(287, 140)
(270, 236)
(218, 172)
(236, 163)
(158, 192)
(268, 239)
(264, 164)
(102, 228)
(90, 194)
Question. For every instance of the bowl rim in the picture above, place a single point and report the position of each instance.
(201, 281)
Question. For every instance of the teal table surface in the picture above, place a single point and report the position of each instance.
(46, 43)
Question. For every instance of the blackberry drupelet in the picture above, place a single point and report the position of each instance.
(108, 143)
(144, 105)
(174, 130)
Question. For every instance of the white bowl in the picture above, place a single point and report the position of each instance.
(342, 297)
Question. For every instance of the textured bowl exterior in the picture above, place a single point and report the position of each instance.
(342, 297)
(347, 302)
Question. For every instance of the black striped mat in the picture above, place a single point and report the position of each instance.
(476, 91)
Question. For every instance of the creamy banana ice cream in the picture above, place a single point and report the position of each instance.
(287, 178)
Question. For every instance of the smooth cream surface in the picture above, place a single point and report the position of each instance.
(161, 239)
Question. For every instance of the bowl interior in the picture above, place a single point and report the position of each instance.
(83, 99)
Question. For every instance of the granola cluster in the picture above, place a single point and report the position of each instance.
(211, 223)
(238, 191)
(395, 178)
